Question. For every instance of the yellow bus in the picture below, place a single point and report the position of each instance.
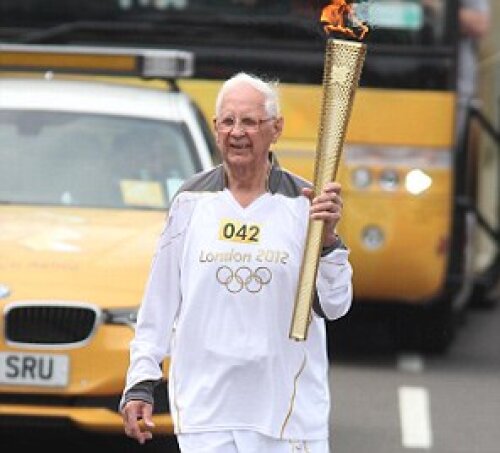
(420, 242)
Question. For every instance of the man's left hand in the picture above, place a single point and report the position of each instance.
(326, 206)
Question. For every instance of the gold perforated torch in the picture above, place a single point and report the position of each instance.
(343, 63)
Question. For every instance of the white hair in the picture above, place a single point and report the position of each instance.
(268, 88)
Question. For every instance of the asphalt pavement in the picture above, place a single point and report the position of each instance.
(387, 400)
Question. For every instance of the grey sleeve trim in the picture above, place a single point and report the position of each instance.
(142, 391)
(339, 244)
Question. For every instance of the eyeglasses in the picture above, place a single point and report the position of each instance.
(246, 124)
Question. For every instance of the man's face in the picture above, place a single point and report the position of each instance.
(244, 130)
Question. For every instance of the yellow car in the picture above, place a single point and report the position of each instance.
(87, 172)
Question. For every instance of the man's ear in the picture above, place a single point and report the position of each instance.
(216, 135)
(278, 128)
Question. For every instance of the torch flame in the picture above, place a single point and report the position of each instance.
(336, 16)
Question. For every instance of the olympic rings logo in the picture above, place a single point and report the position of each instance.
(244, 278)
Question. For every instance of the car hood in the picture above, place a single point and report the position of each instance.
(100, 256)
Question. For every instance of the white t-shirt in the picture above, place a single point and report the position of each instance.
(219, 301)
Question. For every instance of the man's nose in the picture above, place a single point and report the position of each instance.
(237, 129)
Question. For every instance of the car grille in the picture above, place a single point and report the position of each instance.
(49, 324)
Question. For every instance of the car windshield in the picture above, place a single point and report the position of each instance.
(88, 160)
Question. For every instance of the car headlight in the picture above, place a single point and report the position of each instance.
(120, 316)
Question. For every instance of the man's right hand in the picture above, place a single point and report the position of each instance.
(138, 420)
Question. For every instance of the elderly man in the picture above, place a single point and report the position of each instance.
(220, 296)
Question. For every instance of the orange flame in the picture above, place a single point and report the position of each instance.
(336, 16)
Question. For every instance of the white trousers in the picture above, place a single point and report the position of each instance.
(240, 441)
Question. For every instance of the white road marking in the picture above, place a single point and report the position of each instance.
(414, 413)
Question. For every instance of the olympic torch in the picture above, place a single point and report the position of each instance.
(342, 69)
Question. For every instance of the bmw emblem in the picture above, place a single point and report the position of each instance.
(4, 291)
